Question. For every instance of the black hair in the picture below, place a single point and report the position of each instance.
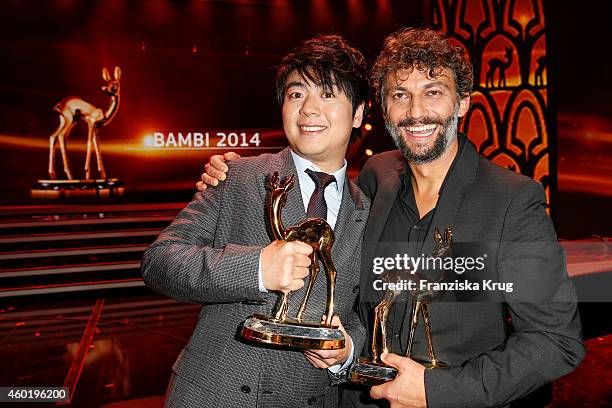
(327, 61)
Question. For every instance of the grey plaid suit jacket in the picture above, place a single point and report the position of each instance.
(210, 255)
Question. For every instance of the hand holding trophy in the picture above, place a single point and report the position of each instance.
(281, 330)
(372, 370)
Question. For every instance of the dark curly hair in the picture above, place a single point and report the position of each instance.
(425, 50)
(327, 61)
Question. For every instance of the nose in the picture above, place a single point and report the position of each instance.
(310, 106)
(417, 109)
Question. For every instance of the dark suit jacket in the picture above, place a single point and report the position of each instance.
(491, 362)
(210, 255)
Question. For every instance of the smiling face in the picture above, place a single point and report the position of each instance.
(318, 122)
(422, 112)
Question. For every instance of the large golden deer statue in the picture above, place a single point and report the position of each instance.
(74, 108)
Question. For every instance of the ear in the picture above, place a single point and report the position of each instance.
(117, 73)
(358, 117)
(464, 106)
(105, 74)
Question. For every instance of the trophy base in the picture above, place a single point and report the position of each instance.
(292, 333)
(369, 372)
(56, 189)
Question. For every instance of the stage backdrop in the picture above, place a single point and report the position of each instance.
(510, 119)
(197, 79)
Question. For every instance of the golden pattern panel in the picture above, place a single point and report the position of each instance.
(509, 120)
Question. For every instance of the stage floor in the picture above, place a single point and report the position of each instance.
(104, 347)
(120, 345)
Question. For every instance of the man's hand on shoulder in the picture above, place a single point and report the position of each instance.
(215, 170)
(284, 265)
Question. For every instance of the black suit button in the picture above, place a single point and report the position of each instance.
(356, 289)
(311, 400)
(245, 388)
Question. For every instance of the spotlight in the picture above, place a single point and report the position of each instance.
(368, 127)
(369, 152)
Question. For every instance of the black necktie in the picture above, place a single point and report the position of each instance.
(317, 207)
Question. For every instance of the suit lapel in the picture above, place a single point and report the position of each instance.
(444, 214)
(353, 209)
(379, 214)
(382, 203)
(462, 173)
(451, 197)
(293, 212)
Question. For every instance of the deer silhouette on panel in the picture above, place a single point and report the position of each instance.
(539, 71)
(496, 64)
(71, 110)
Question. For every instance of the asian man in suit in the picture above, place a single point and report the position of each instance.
(220, 251)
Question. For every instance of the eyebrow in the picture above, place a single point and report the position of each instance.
(426, 86)
(298, 84)
(397, 88)
(436, 83)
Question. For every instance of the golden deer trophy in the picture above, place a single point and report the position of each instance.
(372, 370)
(281, 330)
(74, 108)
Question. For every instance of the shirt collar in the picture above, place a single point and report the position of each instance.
(301, 164)
(406, 174)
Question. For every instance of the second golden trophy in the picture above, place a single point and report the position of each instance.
(280, 329)
(372, 370)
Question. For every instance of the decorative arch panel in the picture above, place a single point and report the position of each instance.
(509, 120)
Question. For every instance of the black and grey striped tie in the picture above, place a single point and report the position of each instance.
(317, 207)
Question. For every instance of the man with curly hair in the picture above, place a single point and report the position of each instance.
(502, 352)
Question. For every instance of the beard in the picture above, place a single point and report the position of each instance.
(420, 154)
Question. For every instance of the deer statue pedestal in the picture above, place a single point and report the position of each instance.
(281, 330)
(59, 189)
(372, 370)
(292, 333)
(369, 371)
